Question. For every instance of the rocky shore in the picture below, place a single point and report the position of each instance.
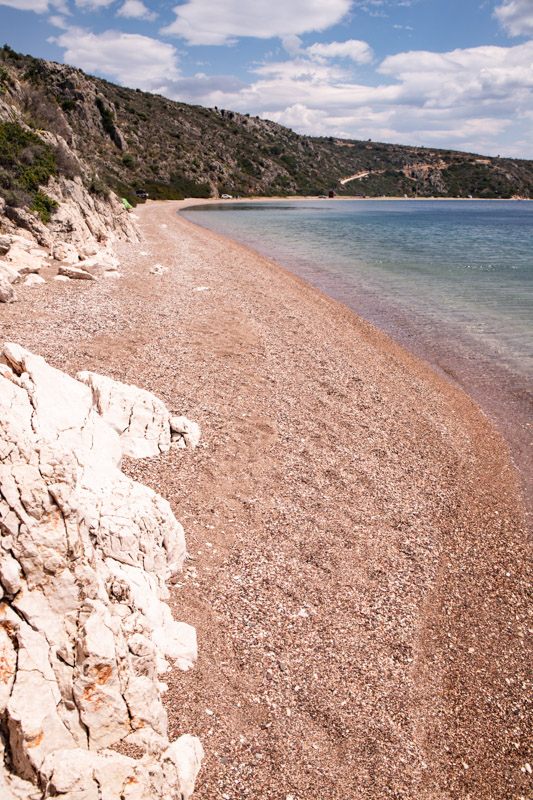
(358, 571)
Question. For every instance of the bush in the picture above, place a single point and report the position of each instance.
(108, 118)
(97, 186)
(26, 156)
(43, 205)
(43, 112)
(5, 78)
(10, 53)
(128, 160)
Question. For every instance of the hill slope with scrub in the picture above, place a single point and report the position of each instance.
(127, 140)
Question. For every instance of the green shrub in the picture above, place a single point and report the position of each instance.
(5, 78)
(43, 205)
(10, 53)
(26, 156)
(97, 186)
(108, 118)
(128, 160)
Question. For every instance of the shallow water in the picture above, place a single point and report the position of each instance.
(452, 281)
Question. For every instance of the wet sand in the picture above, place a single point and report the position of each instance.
(359, 569)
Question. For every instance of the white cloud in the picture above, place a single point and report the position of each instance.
(92, 5)
(222, 21)
(135, 9)
(129, 58)
(292, 44)
(39, 6)
(516, 17)
(357, 51)
(471, 99)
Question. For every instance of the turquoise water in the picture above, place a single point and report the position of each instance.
(452, 281)
(465, 263)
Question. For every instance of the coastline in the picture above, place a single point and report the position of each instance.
(341, 477)
(502, 391)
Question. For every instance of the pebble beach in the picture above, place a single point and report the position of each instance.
(359, 565)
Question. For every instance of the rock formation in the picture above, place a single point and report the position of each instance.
(85, 553)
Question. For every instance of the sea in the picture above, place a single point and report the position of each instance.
(449, 280)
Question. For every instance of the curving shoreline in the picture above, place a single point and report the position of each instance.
(360, 568)
(501, 387)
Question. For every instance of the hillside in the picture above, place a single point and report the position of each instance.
(133, 140)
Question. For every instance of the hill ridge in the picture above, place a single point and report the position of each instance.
(131, 141)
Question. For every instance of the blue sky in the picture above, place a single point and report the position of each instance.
(439, 73)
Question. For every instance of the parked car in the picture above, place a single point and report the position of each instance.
(142, 194)
(226, 197)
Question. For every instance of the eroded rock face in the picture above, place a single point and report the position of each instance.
(84, 633)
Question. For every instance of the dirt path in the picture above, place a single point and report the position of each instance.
(359, 570)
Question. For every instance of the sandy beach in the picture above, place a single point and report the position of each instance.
(359, 572)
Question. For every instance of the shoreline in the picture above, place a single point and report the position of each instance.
(505, 397)
(359, 573)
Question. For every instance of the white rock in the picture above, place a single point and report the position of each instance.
(24, 261)
(89, 250)
(34, 280)
(76, 274)
(85, 555)
(140, 419)
(10, 575)
(22, 242)
(8, 663)
(186, 430)
(9, 272)
(7, 293)
(62, 278)
(63, 251)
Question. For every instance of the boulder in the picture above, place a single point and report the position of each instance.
(76, 274)
(9, 239)
(184, 432)
(84, 629)
(34, 280)
(7, 293)
(9, 272)
(24, 261)
(62, 251)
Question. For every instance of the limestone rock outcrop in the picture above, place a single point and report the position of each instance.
(141, 420)
(85, 553)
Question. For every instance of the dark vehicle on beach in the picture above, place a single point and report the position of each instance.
(142, 194)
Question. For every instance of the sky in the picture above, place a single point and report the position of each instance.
(454, 74)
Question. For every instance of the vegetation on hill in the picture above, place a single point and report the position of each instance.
(135, 141)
